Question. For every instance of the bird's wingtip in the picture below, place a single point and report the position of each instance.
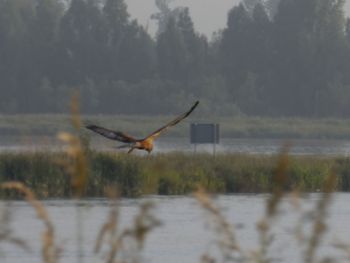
(195, 104)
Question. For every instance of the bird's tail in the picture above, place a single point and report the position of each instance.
(131, 149)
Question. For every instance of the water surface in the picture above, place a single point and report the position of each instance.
(186, 233)
(165, 144)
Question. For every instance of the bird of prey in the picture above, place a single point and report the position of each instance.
(134, 143)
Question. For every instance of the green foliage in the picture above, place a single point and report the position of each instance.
(171, 174)
(309, 174)
(274, 58)
(343, 168)
(108, 169)
(315, 37)
(38, 171)
(348, 29)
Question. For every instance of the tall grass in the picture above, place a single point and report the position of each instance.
(167, 174)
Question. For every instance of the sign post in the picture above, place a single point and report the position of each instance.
(204, 133)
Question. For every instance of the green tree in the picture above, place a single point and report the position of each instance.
(137, 59)
(196, 46)
(82, 40)
(117, 20)
(164, 14)
(48, 15)
(309, 54)
(272, 7)
(260, 53)
(171, 52)
(249, 5)
(44, 38)
(245, 56)
(131, 49)
(233, 50)
(181, 51)
(17, 82)
(348, 29)
(260, 45)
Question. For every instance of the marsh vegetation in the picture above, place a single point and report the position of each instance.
(169, 174)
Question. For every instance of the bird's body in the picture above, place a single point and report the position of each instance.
(133, 143)
(146, 144)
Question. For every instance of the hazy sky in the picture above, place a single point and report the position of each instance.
(208, 15)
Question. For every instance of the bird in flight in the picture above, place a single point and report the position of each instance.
(134, 143)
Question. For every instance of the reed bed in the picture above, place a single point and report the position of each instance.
(166, 174)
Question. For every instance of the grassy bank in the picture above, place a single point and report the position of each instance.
(237, 127)
(173, 173)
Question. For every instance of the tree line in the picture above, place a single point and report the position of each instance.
(273, 58)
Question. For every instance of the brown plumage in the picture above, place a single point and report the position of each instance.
(134, 143)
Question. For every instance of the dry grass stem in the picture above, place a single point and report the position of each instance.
(50, 252)
(110, 226)
(343, 247)
(125, 245)
(76, 165)
(6, 234)
(226, 241)
(279, 180)
(75, 115)
(319, 224)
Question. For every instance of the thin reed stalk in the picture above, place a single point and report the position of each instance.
(6, 234)
(77, 168)
(264, 226)
(50, 252)
(76, 165)
(226, 237)
(319, 224)
(125, 245)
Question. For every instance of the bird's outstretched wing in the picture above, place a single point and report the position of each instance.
(156, 133)
(113, 135)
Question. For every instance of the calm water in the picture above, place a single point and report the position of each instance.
(164, 144)
(186, 232)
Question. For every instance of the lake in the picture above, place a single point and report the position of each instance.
(186, 232)
(165, 144)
